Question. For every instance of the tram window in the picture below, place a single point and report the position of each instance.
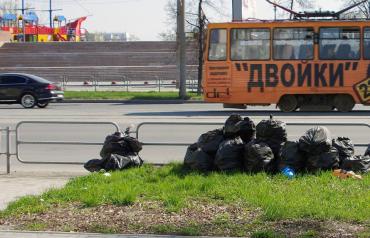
(250, 44)
(217, 48)
(340, 43)
(367, 43)
(293, 43)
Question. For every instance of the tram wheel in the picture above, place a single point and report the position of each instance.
(288, 103)
(344, 102)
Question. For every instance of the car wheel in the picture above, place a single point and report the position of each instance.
(344, 103)
(42, 104)
(288, 103)
(28, 101)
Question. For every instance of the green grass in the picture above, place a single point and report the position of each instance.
(126, 95)
(321, 196)
(188, 230)
(266, 234)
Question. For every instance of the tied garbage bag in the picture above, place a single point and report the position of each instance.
(119, 151)
(116, 144)
(257, 157)
(324, 161)
(210, 141)
(292, 157)
(273, 133)
(135, 145)
(345, 147)
(119, 162)
(197, 159)
(316, 141)
(229, 155)
(231, 130)
(358, 164)
(247, 130)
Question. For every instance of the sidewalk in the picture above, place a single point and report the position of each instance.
(19, 184)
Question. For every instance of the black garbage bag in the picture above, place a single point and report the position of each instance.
(229, 156)
(367, 151)
(120, 162)
(345, 148)
(247, 130)
(316, 141)
(94, 165)
(273, 133)
(272, 129)
(199, 160)
(231, 130)
(115, 144)
(135, 145)
(292, 157)
(258, 157)
(189, 156)
(324, 161)
(209, 142)
(358, 164)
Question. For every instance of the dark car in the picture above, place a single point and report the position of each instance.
(28, 90)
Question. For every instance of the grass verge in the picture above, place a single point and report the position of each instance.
(190, 203)
(88, 95)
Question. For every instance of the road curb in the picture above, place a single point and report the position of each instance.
(133, 101)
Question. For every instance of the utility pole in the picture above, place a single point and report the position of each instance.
(51, 10)
(181, 44)
(50, 14)
(237, 10)
(291, 8)
(23, 7)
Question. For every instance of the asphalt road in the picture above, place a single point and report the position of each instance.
(131, 115)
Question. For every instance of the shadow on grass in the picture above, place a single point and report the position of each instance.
(181, 171)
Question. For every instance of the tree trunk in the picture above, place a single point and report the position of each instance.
(200, 47)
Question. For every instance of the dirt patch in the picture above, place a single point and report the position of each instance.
(152, 218)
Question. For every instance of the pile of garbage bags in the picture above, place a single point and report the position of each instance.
(242, 146)
(119, 152)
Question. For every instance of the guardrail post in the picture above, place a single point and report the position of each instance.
(159, 83)
(65, 80)
(96, 82)
(7, 149)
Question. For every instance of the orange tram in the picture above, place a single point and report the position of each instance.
(302, 63)
(26, 28)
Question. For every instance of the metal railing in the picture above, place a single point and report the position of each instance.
(123, 83)
(141, 125)
(7, 152)
(137, 132)
(20, 142)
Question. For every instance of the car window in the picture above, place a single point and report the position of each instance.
(39, 79)
(12, 80)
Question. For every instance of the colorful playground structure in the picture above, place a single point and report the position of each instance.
(26, 28)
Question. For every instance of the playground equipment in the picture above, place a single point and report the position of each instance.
(26, 28)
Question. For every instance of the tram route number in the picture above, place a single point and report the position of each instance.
(363, 90)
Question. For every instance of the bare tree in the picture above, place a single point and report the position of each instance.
(362, 10)
(8, 7)
(296, 5)
(195, 22)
